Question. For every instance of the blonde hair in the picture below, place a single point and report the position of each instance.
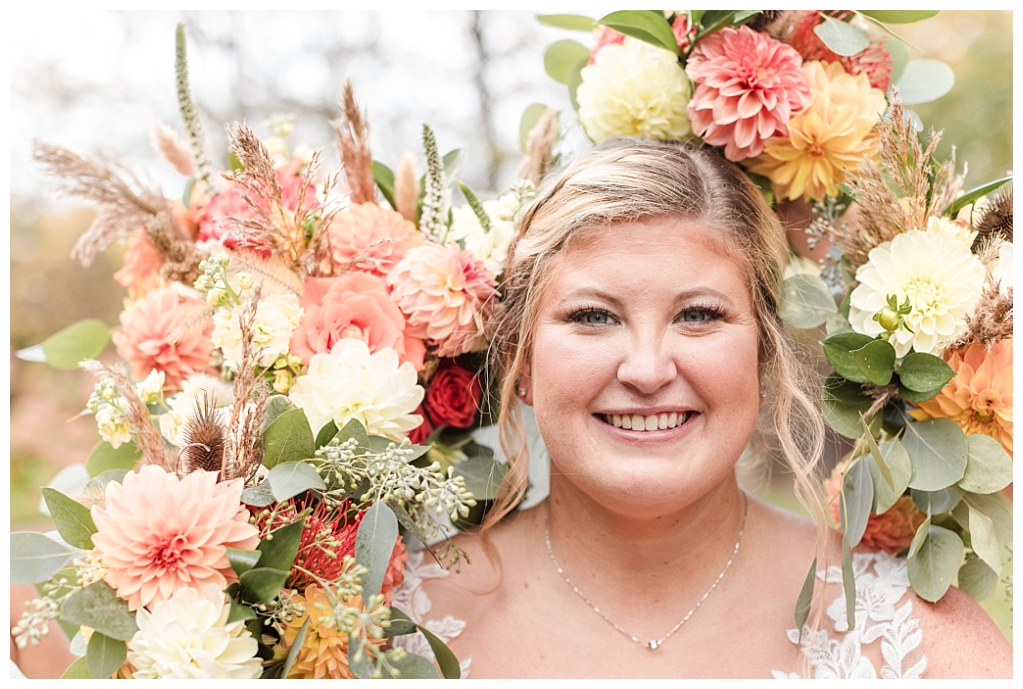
(626, 180)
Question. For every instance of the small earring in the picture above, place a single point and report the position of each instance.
(763, 393)
(522, 392)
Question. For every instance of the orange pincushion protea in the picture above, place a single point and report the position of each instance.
(979, 398)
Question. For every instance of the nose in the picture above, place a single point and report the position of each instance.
(648, 365)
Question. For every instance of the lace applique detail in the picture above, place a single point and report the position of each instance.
(881, 582)
(411, 598)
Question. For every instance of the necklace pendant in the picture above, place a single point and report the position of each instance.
(652, 645)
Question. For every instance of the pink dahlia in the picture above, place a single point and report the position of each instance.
(370, 238)
(158, 534)
(748, 85)
(446, 292)
(155, 334)
(605, 36)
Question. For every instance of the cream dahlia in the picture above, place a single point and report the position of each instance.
(277, 316)
(370, 238)
(188, 637)
(490, 247)
(936, 273)
(447, 294)
(634, 89)
(960, 229)
(834, 134)
(158, 533)
(351, 383)
(748, 85)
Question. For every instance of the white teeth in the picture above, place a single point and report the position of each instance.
(653, 422)
(616, 420)
(627, 422)
(638, 423)
(672, 420)
(662, 421)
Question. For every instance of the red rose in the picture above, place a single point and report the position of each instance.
(453, 397)
(419, 434)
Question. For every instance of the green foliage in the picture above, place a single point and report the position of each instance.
(574, 81)
(937, 501)
(935, 563)
(842, 38)
(482, 474)
(895, 456)
(856, 499)
(924, 80)
(374, 544)
(973, 194)
(279, 549)
(839, 348)
(78, 670)
(295, 647)
(898, 16)
(291, 478)
(984, 540)
(806, 302)
(937, 449)
(384, 177)
(988, 465)
(530, 117)
(848, 585)
(287, 439)
(326, 434)
(258, 496)
(36, 558)
(352, 429)
(242, 560)
(977, 579)
(572, 22)
(72, 519)
(561, 57)
(262, 584)
(876, 361)
(990, 506)
(75, 343)
(414, 666)
(475, 205)
(806, 597)
(240, 612)
(275, 406)
(646, 25)
(445, 658)
(924, 372)
(105, 655)
(98, 606)
(104, 458)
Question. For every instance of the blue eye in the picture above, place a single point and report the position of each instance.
(700, 315)
(590, 317)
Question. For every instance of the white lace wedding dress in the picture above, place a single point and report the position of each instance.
(833, 652)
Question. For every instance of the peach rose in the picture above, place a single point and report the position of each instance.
(353, 305)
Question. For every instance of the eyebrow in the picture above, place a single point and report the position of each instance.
(602, 295)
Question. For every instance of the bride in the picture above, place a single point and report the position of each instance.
(641, 328)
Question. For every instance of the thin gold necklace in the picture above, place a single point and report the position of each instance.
(653, 644)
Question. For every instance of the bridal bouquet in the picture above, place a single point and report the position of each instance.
(299, 386)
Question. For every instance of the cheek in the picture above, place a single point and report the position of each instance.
(568, 369)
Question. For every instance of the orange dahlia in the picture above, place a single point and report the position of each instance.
(979, 398)
(324, 653)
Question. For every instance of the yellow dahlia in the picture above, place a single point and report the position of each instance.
(979, 398)
(324, 653)
(834, 134)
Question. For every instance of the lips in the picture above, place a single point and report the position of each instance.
(651, 422)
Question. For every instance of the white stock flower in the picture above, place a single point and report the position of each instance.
(182, 406)
(939, 276)
(1001, 268)
(489, 247)
(151, 388)
(960, 229)
(634, 89)
(350, 383)
(188, 637)
(277, 316)
(111, 423)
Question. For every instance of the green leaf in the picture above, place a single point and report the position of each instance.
(105, 655)
(358, 661)
(935, 564)
(879, 461)
(78, 670)
(98, 606)
(374, 543)
(838, 350)
(530, 118)
(384, 177)
(296, 645)
(919, 537)
(984, 540)
(401, 624)
(977, 579)
(262, 584)
(280, 547)
(275, 406)
(857, 497)
(287, 439)
(849, 585)
(806, 302)
(445, 658)
(103, 478)
(937, 448)
(561, 57)
(923, 372)
(354, 429)
(845, 419)
(806, 597)
(900, 56)
(895, 456)
(72, 519)
(936, 502)
(258, 496)
(291, 478)
(744, 16)
(575, 79)
(75, 343)
(104, 458)
(845, 391)
(240, 612)
(924, 81)
(899, 16)
(714, 20)
(837, 323)
(414, 666)
(917, 397)
(36, 558)
(974, 194)
(474, 204)
(988, 466)
(990, 505)
(876, 361)
(483, 475)
(327, 433)
(572, 22)
(650, 27)
(841, 37)
(242, 560)
(452, 161)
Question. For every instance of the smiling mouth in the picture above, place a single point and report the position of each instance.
(653, 422)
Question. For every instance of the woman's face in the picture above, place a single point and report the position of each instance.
(644, 374)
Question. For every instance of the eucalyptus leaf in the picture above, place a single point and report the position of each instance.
(276, 405)
(36, 558)
(104, 458)
(838, 350)
(287, 439)
(452, 162)
(924, 372)
(876, 361)
(105, 655)
(445, 658)
(806, 301)
(483, 476)
(845, 419)
(530, 118)
(72, 519)
(841, 37)
(936, 502)
(561, 57)
(977, 579)
(899, 16)
(242, 560)
(72, 345)
(262, 584)
(326, 434)
(384, 178)
(919, 537)
(296, 645)
(240, 612)
(895, 456)
(974, 194)
(837, 323)
(414, 666)
(984, 541)
(279, 548)
(98, 606)
(923, 81)
(879, 461)
(857, 497)
(990, 505)
(937, 449)
(714, 20)
(988, 465)
(900, 57)
(935, 564)
(572, 22)
(358, 661)
(806, 597)
(849, 585)
(291, 478)
(401, 624)
(78, 670)
(648, 26)
(374, 544)
(575, 80)
(258, 496)
(101, 480)
(354, 429)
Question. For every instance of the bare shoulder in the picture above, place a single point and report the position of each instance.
(960, 640)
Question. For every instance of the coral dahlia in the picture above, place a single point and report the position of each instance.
(158, 533)
(370, 238)
(748, 86)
